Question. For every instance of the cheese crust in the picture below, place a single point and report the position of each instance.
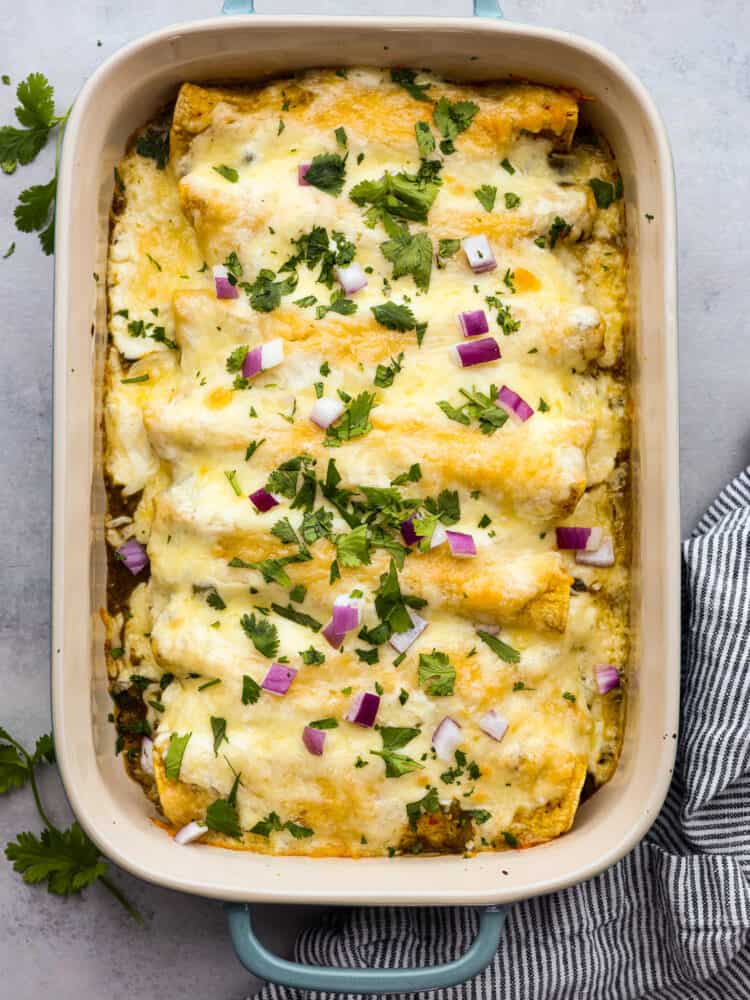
(520, 628)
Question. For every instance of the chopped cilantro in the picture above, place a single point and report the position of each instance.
(409, 254)
(298, 617)
(543, 405)
(511, 199)
(250, 690)
(367, 655)
(429, 803)
(252, 448)
(353, 549)
(453, 119)
(385, 374)
(232, 477)
(401, 196)
(154, 144)
(486, 195)
(507, 165)
(222, 817)
(499, 648)
(341, 137)
(509, 838)
(263, 634)
(329, 723)
(436, 673)
(214, 600)
(504, 315)
(604, 192)
(219, 729)
(406, 78)
(327, 172)
(448, 248)
(266, 293)
(312, 657)
(394, 316)
(558, 230)
(228, 173)
(425, 139)
(175, 753)
(354, 422)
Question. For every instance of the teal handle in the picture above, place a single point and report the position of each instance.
(482, 8)
(265, 965)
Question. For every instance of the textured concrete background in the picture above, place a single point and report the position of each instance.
(692, 56)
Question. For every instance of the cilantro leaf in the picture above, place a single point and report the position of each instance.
(65, 859)
(486, 195)
(389, 603)
(453, 119)
(222, 817)
(354, 422)
(425, 139)
(34, 211)
(236, 359)
(409, 254)
(266, 826)
(14, 770)
(297, 831)
(436, 673)
(214, 600)
(394, 316)
(18, 145)
(174, 755)
(385, 374)
(263, 634)
(316, 525)
(512, 200)
(250, 690)
(312, 657)
(558, 230)
(228, 173)
(37, 103)
(401, 196)
(429, 803)
(448, 248)
(406, 78)
(397, 764)
(284, 531)
(154, 144)
(500, 648)
(327, 172)
(396, 737)
(299, 617)
(504, 315)
(353, 549)
(265, 293)
(604, 192)
(329, 723)
(219, 729)
(507, 165)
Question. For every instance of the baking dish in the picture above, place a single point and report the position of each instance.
(120, 96)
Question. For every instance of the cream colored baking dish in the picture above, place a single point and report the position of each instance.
(120, 96)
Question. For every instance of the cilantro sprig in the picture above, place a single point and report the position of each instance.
(36, 114)
(65, 859)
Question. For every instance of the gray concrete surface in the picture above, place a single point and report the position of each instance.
(692, 56)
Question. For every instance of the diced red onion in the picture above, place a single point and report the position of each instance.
(253, 363)
(446, 738)
(603, 556)
(479, 253)
(351, 278)
(147, 755)
(493, 724)
(401, 641)
(325, 410)
(224, 287)
(364, 709)
(439, 535)
(187, 834)
(302, 173)
(607, 678)
(477, 352)
(134, 555)
(263, 357)
(572, 538)
(279, 678)
(516, 408)
(461, 544)
(408, 533)
(473, 323)
(314, 740)
(345, 618)
(263, 500)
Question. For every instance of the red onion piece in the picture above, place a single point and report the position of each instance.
(607, 678)
(461, 544)
(332, 637)
(446, 738)
(314, 740)
(279, 678)
(262, 500)
(572, 538)
(364, 709)
(351, 278)
(477, 352)
(187, 834)
(473, 323)
(401, 641)
(493, 724)
(408, 533)
(147, 755)
(253, 363)
(224, 287)
(272, 353)
(516, 408)
(603, 556)
(134, 555)
(479, 253)
(325, 411)
(302, 173)
(345, 617)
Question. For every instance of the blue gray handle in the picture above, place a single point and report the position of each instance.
(482, 8)
(265, 965)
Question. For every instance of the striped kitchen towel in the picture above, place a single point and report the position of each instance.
(672, 919)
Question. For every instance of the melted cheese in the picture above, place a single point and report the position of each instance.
(173, 437)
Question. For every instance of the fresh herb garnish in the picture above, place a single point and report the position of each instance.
(486, 195)
(406, 78)
(327, 172)
(507, 165)
(499, 648)
(429, 803)
(232, 478)
(436, 673)
(329, 723)
(409, 254)
(605, 192)
(214, 600)
(354, 422)
(219, 730)
(298, 617)
(385, 374)
(250, 690)
(511, 199)
(479, 406)
(448, 248)
(312, 657)
(266, 293)
(504, 315)
(451, 119)
(263, 634)
(154, 144)
(558, 230)
(175, 753)
(222, 817)
(401, 196)
(341, 137)
(228, 173)
(394, 316)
